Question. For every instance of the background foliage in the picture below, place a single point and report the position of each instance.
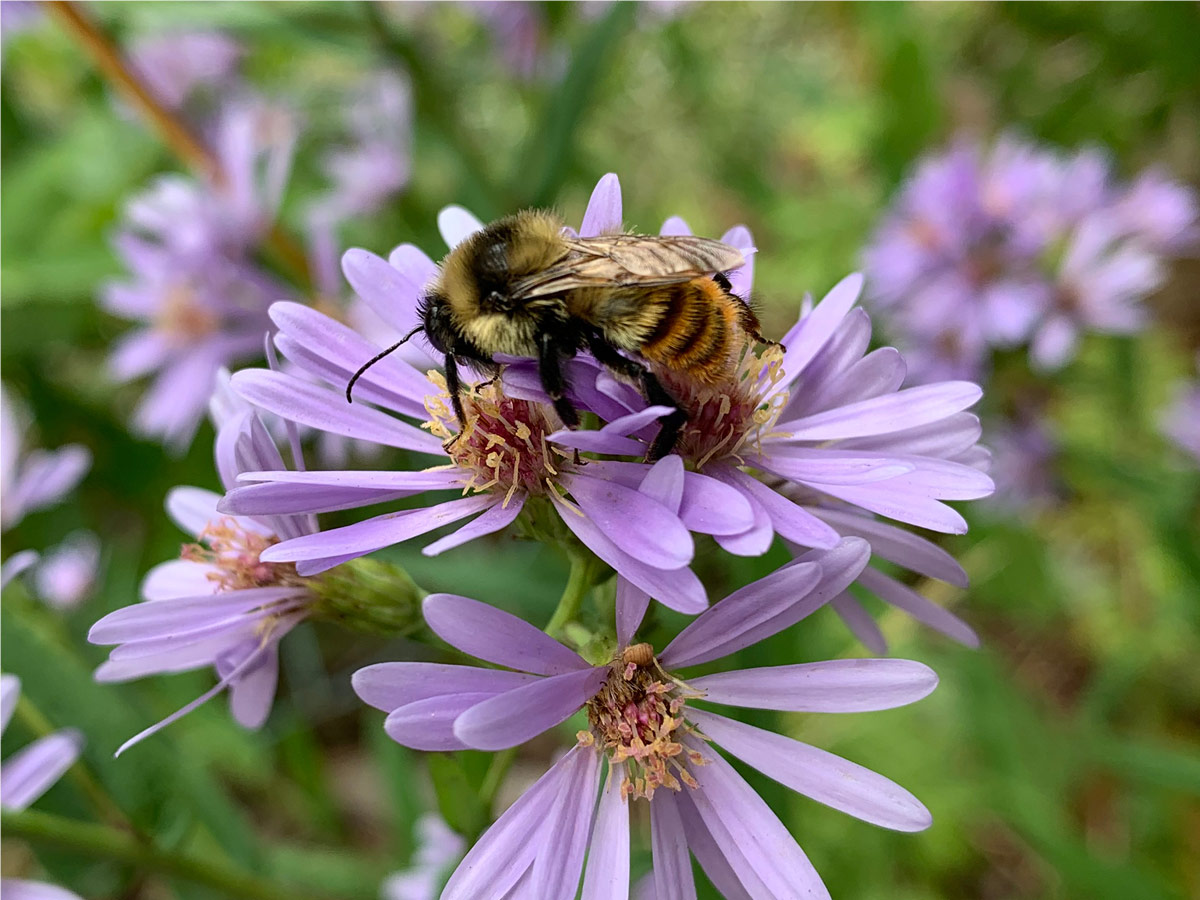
(1060, 761)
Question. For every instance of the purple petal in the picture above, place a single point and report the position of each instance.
(192, 508)
(741, 279)
(713, 856)
(16, 564)
(879, 373)
(284, 498)
(901, 506)
(429, 724)
(603, 213)
(679, 589)
(498, 637)
(456, 225)
(898, 545)
(718, 630)
(387, 289)
(811, 333)
(495, 519)
(675, 226)
(516, 716)
(892, 412)
(607, 873)
(890, 591)
(735, 815)
(944, 439)
(388, 686)
(251, 696)
(824, 777)
(564, 838)
(636, 524)
(672, 865)
(327, 410)
(769, 605)
(372, 534)
(838, 686)
(179, 578)
(821, 466)
(30, 772)
(632, 603)
(712, 507)
(755, 540)
(10, 692)
(19, 889)
(788, 519)
(859, 621)
(161, 618)
(506, 850)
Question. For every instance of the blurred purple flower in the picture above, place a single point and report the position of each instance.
(658, 746)
(33, 479)
(18, 16)
(1024, 453)
(438, 848)
(519, 31)
(1181, 419)
(200, 300)
(66, 575)
(1020, 244)
(175, 64)
(375, 165)
(220, 604)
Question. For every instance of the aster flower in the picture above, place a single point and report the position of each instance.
(28, 774)
(1019, 244)
(1181, 420)
(220, 604)
(66, 575)
(200, 301)
(501, 460)
(657, 745)
(176, 64)
(438, 848)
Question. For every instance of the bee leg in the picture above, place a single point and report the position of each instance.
(454, 389)
(550, 361)
(672, 423)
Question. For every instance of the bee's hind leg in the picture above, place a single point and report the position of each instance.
(554, 382)
(670, 424)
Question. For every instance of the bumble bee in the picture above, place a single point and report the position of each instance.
(523, 286)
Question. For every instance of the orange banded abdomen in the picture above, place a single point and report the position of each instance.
(698, 330)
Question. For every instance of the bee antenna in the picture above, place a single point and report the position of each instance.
(376, 358)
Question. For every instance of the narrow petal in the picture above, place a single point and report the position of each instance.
(809, 335)
(859, 621)
(506, 850)
(768, 855)
(741, 279)
(603, 213)
(33, 770)
(16, 564)
(892, 412)
(636, 524)
(714, 856)
(902, 506)
(498, 637)
(788, 519)
(428, 724)
(719, 629)
(824, 777)
(179, 578)
(680, 589)
(607, 873)
(924, 610)
(456, 224)
(388, 686)
(497, 518)
(672, 864)
(944, 439)
(141, 621)
(382, 531)
(327, 410)
(898, 545)
(253, 694)
(820, 466)
(288, 498)
(769, 605)
(838, 686)
(192, 508)
(559, 864)
(20, 889)
(10, 692)
(516, 716)
(632, 603)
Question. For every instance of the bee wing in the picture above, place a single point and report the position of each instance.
(631, 259)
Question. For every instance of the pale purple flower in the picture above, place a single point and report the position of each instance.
(28, 774)
(657, 745)
(375, 165)
(518, 30)
(1181, 420)
(504, 457)
(66, 575)
(175, 64)
(198, 298)
(1018, 244)
(438, 849)
(220, 604)
(33, 479)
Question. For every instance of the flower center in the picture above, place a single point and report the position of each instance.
(503, 442)
(234, 552)
(637, 719)
(725, 417)
(183, 318)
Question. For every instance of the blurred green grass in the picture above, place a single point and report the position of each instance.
(1060, 761)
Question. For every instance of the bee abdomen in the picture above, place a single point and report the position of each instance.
(696, 330)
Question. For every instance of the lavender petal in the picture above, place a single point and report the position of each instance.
(860, 622)
(31, 771)
(516, 716)
(891, 412)
(714, 855)
(607, 874)
(789, 520)
(557, 868)
(494, 519)
(429, 724)
(898, 545)
(924, 610)
(456, 225)
(672, 865)
(636, 524)
(603, 213)
(388, 686)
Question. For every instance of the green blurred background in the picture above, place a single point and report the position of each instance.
(1060, 761)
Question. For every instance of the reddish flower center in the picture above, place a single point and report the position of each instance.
(503, 442)
(234, 553)
(637, 719)
(185, 319)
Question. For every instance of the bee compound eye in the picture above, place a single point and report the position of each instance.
(496, 300)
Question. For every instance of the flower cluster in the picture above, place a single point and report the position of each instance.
(1018, 244)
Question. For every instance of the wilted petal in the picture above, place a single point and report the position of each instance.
(498, 637)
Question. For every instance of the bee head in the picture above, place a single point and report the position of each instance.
(436, 321)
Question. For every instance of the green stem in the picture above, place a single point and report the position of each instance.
(495, 775)
(583, 566)
(111, 843)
